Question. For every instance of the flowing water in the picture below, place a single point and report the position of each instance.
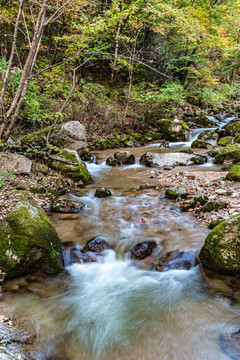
(114, 309)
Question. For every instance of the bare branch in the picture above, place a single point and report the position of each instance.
(4, 18)
(57, 11)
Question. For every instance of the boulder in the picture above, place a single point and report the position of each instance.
(227, 140)
(96, 245)
(234, 173)
(230, 152)
(69, 163)
(171, 159)
(233, 129)
(71, 135)
(173, 129)
(125, 157)
(15, 163)
(143, 249)
(204, 120)
(200, 144)
(209, 137)
(102, 193)
(221, 249)
(28, 240)
(176, 192)
(111, 161)
(40, 169)
(177, 260)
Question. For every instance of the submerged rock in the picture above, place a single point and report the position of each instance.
(96, 245)
(102, 193)
(125, 157)
(28, 240)
(221, 250)
(171, 159)
(143, 249)
(177, 260)
(230, 343)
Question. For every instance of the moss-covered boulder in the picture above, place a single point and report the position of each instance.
(176, 192)
(227, 140)
(221, 250)
(173, 129)
(40, 169)
(234, 173)
(28, 240)
(200, 144)
(69, 163)
(204, 120)
(233, 129)
(209, 137)
(230, 152)
(194, 202)
(214, 206)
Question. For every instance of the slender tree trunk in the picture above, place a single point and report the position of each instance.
(10, 61)
(116, 50)
(14, 110)
(233, 75)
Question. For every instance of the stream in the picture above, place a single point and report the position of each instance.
(114, 309)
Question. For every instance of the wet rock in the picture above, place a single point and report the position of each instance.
(28, 240)
(67, 206)
(221, 249)
(230, 343)
(143, 249)
(78, 256)
(125, 157)
(209, 137)
(214, 206)
(234, 173)
(177, 260)
(194, 202)
(200, 144)
(17, 164)
(71, 135)
(147, 186)
(11, 340)
(171, 159)
(176, 192)
(102, 193)
(111, 161)
(203, 119)
(96, 245)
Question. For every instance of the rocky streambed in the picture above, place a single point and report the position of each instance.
(133, 286)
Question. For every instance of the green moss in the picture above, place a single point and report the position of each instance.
(230, 152)
(234, 173)
(233, 129)
(221, 250)
(28, 240)
(214, 206)
(165, 125)
(227, 140)
(200, 144)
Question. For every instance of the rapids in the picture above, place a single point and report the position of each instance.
(113, 309)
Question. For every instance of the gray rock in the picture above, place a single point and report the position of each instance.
(71, 135)
(171, 159)
(10, 343)
(209, 137)
(125, 157)
(18, 164)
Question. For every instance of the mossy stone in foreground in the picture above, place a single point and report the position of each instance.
(221, 250)
(234, 173)
(28, 240)
(230, 152)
